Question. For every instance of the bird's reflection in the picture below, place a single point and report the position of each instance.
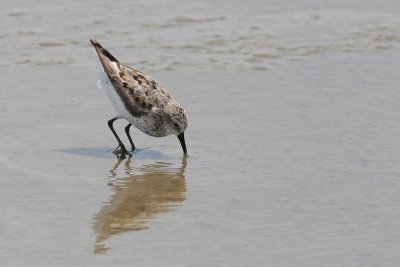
(142, 193)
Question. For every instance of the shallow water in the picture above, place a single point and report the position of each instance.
(293, 158)
(210, 35)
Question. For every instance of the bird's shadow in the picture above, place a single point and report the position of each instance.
(106, 152)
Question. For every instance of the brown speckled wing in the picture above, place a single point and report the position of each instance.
(139, 93)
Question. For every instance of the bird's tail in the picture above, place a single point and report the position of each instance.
(101, 51)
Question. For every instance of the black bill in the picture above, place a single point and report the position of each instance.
(181, 138)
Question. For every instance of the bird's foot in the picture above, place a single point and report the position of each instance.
(121, 152)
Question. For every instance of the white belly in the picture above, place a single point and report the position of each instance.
(143, 123)
(107, 86)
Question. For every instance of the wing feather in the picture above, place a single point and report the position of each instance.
(139, 93)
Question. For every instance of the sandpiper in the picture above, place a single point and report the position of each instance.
(140, 100)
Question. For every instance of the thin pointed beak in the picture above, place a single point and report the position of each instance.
(181, 138)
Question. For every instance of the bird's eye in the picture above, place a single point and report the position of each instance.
(176, 125)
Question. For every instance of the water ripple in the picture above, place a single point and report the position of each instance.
(201, 41)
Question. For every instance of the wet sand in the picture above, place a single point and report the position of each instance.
(293, 136)
(295, 166)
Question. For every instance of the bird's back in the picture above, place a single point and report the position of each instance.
(136, 97)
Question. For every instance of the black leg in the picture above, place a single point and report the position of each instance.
(129, 136)
(121, 145)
